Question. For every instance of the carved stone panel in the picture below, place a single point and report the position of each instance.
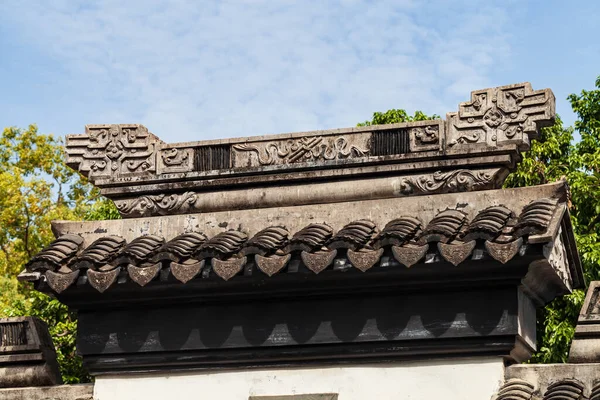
(502, 115)
(172, 160)
(425, 138)
(112, 150)
(556, 253)
(297, 150)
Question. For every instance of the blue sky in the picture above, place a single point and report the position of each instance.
(193, 70)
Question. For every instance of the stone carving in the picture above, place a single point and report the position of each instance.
(300, 150)
(174, 160)
(175, 157)
(112, 150)
(461, 180)
(556, 253)
(502, 115)
(423, 138)
(160, 204)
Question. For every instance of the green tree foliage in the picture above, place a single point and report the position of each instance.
(37, 187)
(553, 156)
(394, 116)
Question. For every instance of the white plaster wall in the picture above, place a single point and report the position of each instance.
(460, 379)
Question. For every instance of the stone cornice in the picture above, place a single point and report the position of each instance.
(474, 149)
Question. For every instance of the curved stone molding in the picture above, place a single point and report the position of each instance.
(462, 180)
(160, 204)
(501, 116)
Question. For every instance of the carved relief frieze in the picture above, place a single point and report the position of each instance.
(112, 150)
(303, 149)
(160, 204)
(174, 159)
(502, 115)
(461, 180)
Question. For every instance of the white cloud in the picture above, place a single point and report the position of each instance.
(194, 70)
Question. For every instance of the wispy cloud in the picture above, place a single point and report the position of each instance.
(194, 70)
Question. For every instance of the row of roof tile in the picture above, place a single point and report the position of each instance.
(272, 248)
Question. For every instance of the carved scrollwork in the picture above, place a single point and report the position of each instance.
(301, 150)
(461, 180)
(160, 204)
(502, 115)
(173, 157)
(112, 150)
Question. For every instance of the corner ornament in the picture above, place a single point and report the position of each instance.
(105, 151)
(501, 116)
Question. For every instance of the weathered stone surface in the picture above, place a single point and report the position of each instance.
(27, 356)
(585, 347)
(62, 392)
(272, 264)
(558, 381)
(227, 269)
(148, 177)
(319, 260)
(501, 116)
(186, 272)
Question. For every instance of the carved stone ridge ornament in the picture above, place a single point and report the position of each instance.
(302, 150)
(112, 150)
(502, 115)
